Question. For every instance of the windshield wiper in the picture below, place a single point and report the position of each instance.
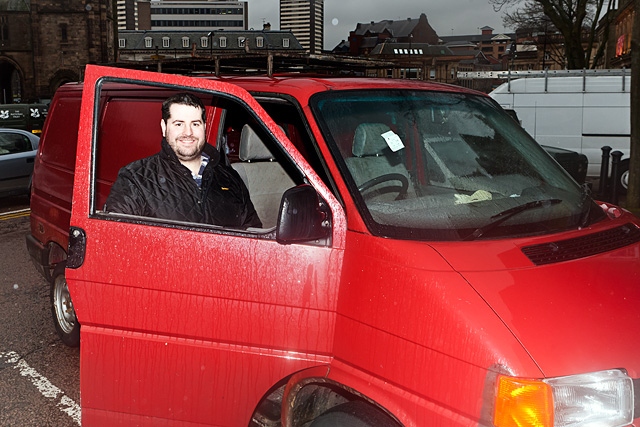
(501, 217)
(585, 217)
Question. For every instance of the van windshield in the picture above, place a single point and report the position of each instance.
(446, 166)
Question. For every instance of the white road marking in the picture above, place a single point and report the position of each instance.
(44, 386)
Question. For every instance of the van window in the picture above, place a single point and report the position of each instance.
(261, 165)
(444, 166)
(59, 131)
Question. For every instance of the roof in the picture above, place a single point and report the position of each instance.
(303, 87)
(135, 39)
(395, 28)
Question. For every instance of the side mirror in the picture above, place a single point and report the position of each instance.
(302, 217)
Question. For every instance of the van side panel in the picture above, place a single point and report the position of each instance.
(572, 113)
(53, 175)
(29, 117)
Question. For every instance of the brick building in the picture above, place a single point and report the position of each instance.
(45, 43)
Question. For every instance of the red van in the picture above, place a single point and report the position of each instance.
(422, 262)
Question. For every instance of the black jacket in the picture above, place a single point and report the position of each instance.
(160, 186)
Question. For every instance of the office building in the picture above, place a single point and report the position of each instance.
(305, 19)
(190, 15)
(127, 14)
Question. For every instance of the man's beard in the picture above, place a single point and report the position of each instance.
(191, 154)
(188, 153)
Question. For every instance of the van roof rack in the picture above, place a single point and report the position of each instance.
(509, 74)
(584, 73)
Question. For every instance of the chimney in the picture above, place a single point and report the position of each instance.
(266, 26)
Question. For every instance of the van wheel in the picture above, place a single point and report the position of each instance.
(623, 176)
(354, 414)
(64, 316)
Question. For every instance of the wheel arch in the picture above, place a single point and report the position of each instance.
(56, 255)
(311, 392)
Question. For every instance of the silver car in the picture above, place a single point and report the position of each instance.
(18, 150)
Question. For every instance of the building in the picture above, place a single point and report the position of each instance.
(45, 43)
(618, 41)
(189, 15)
(364, 39)
(495, 45)
(305, 19)
(127, 14)
(236, 52)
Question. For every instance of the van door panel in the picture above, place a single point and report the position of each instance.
(185, 322)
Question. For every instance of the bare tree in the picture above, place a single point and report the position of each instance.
(575, 20)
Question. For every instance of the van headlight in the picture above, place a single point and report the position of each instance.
(603, 399)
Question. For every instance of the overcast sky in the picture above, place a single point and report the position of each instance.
(447, 17)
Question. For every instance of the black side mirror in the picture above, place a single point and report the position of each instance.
(302, 217)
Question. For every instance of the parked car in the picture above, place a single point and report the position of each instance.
(422, 262)
(18, 150)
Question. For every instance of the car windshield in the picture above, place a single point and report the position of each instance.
(446, 166)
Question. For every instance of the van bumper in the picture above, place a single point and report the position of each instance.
(39, 255)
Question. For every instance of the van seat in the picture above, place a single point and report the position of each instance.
(263, 175)
(373, 158)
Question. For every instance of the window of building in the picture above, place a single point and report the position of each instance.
(223, 42)
(185, 42)
(4, 28)
(285, 42)
(241, 41)
(64, 35)
(432, 73)
(204, 41)
(260, 41)
(166, 42)
(122, 43)
(148, 42)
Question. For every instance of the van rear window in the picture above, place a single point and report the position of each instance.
(59, 132)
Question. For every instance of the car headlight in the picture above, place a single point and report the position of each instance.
(603, 399)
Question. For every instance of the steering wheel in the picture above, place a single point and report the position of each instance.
(402, 190)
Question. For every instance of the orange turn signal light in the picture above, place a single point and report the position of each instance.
(523, 403)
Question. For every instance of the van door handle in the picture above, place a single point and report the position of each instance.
(30, 159)
(77, 247)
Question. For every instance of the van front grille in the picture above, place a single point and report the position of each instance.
(579, 247)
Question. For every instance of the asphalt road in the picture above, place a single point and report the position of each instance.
(39, 376)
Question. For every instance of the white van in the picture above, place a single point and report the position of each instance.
(575, 110)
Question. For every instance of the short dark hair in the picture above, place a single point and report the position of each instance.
(182, 98)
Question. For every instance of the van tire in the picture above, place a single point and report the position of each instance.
(64, 316)
(354, 414)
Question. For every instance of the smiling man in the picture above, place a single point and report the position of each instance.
(185, 181)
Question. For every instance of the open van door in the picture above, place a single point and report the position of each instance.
(193, 324)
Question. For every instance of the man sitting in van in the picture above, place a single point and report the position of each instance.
(186, 180)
